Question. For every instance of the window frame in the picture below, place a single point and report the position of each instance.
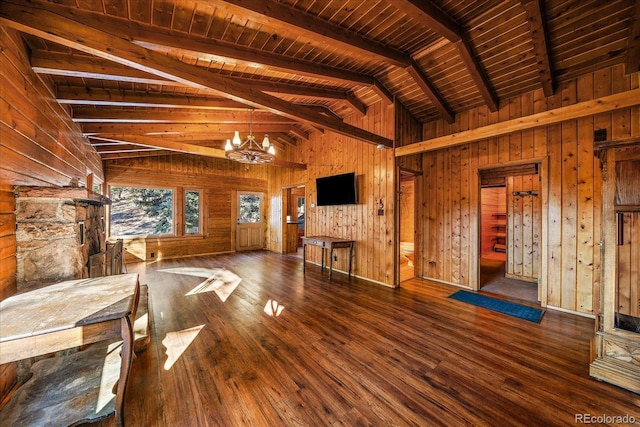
(174, 191)
(200, 192)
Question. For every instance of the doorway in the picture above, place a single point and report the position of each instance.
(407, 225)
(294, 209)
(249, 221)
(510, 222)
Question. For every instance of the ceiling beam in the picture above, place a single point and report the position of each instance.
(176, 128)
(120, 115)
(182, 147)
(632, 64)
(540, 38)
(434, 18)
(135, 155)
(124, 98)
(59, 25)
(158, 38)
(605, 104)
(286, 17)
(427, 87)
(90, 67)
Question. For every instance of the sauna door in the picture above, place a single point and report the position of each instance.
(523, 225)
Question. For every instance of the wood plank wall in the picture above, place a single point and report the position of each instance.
(39, 145)
(219, 179)
(574, 205)
(331, 153)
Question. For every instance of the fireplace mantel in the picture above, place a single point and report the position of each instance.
(57, 230)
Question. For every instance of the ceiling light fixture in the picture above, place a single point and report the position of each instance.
(249, 151)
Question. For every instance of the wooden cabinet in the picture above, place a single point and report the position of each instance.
(617, 341)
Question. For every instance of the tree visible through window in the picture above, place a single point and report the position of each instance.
(249, 208)
(141, 211)
(191, 212)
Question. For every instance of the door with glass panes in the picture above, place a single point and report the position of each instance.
(249, 221)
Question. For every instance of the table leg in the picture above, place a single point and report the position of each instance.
(322, 263)
(350, 258)
(304, 257)
(126, 357)
(330, 262)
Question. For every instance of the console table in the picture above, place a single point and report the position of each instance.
(327, 242)
(62, 316)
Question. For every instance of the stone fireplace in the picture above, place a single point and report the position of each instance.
(57, 230)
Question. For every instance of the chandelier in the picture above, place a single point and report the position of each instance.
(249, 151)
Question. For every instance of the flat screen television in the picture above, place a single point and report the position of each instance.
(336, 190)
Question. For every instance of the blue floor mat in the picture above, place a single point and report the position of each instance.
(525, 312)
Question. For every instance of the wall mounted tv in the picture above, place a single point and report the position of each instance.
(336, 190)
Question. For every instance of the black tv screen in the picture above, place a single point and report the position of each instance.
(336, 190)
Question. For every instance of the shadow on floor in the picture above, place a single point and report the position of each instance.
(492, 279)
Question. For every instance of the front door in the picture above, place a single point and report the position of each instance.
(249, 222)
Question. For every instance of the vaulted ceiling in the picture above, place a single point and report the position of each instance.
(146, 76)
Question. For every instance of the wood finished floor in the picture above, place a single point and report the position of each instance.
(352, 353)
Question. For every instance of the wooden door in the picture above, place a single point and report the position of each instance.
(250, 221)
(523, 227)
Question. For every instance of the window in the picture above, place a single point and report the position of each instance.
(249, 208)
(192, 212)
(141, 211)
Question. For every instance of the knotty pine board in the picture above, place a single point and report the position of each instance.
(572, 265)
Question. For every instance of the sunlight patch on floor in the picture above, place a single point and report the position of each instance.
(192, 271)
(177, 342)
(223, 283)
(110, 374)
(273, 308)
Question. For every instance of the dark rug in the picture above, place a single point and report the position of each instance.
(520, 311)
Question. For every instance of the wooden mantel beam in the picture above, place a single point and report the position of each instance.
(61, 25)
(605, 104)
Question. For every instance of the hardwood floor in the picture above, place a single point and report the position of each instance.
(348, 353)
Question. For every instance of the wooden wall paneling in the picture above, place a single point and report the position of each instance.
(601, 87)
(540, 146)
(455, 223)
(465, 243)
(569, 265)
(503, 141)
(585, 208)
(39, 145)
(515, 139)
(522, 230)
(569, 201)
(554, 278)
(529, 224)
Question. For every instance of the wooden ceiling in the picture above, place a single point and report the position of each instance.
(146, 76)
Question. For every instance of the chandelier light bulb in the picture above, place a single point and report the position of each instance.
(236, 138)
(271, 150)
(265, 142)
(228, 146)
